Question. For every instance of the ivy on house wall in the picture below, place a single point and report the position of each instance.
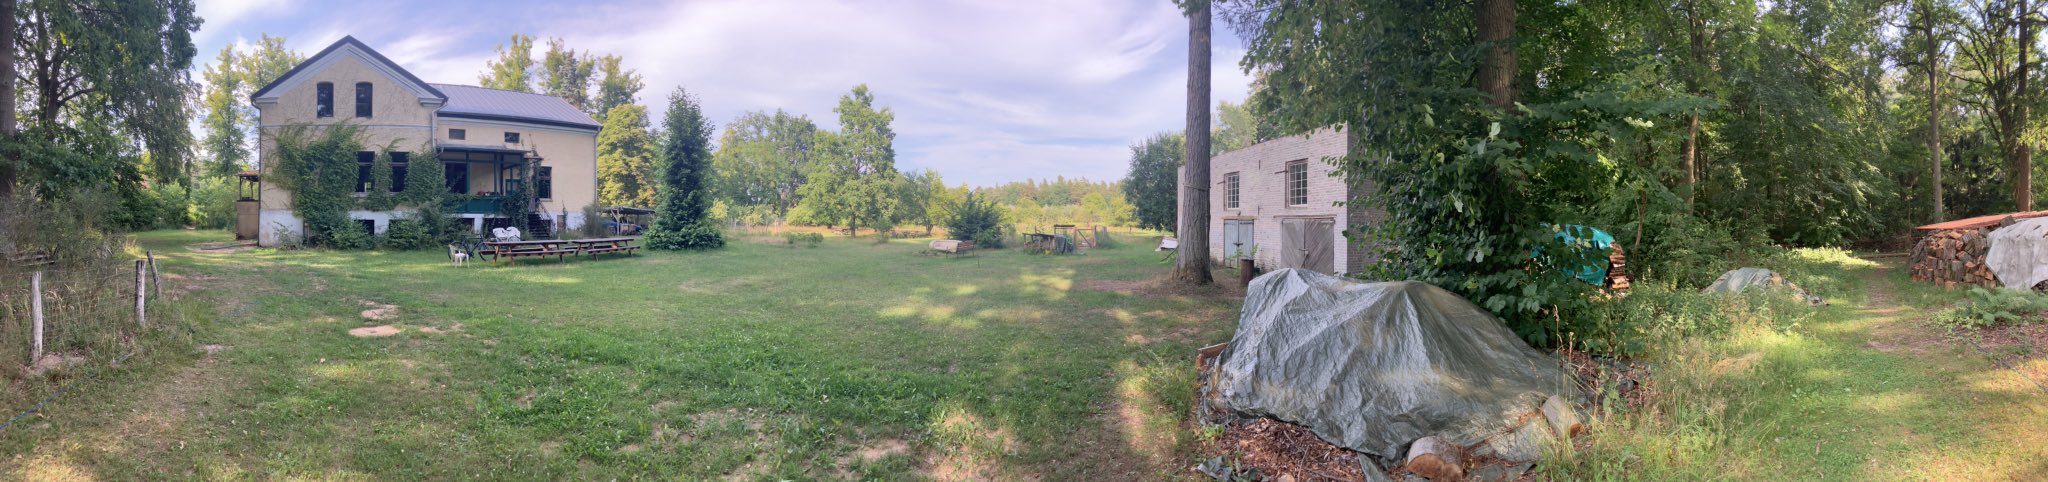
(318, 166)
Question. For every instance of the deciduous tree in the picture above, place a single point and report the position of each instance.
(625, 159)
(511, 70)
(1153, 181)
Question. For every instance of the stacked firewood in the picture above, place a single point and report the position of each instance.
(1617, 270)
(1953, 257)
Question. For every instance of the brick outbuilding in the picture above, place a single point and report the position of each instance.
(1284, 203)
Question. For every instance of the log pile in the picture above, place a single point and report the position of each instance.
(1617, 270)
(1953, 257)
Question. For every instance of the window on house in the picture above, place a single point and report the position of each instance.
(363, 161)
(1297, 183)
(323, 99)
(1230, 184)
(511, 138)
(457, 134)
(363, 98)
(456, 176)
(544, 182)
(399, 162)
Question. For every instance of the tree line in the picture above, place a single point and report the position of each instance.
(1697, 132)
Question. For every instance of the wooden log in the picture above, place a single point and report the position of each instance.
(1435, 459)
(1562, 417)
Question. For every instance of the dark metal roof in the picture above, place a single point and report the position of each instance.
(348, 40)
(471, 102)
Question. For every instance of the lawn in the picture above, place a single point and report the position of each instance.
(759, 361)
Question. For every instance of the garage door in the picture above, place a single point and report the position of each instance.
(1308, 243)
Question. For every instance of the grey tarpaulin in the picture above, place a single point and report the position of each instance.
(2019, 254)
(1374, 366)
(1741, 279)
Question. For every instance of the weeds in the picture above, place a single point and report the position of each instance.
(1985, 308)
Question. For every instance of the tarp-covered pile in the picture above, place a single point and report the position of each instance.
(2019, 254)
(1375, 366)
(1743, 279)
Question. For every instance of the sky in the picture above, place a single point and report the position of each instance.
(984, 91)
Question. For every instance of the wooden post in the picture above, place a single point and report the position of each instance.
(35, 309)
(141, 294)
(155, 284)
(1244, 272)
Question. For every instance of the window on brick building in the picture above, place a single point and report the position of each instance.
(1230, 196)
(1297, 183)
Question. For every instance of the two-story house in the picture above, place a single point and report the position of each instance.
(481, 136)
(1282, 203)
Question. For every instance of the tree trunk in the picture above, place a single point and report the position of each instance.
(1496, 19)
(2023, 178)
(1697, 36)
(1191, 265)
(7, 79)
(1933, 107)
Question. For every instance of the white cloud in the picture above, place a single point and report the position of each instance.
(985, 92)
(221, 15)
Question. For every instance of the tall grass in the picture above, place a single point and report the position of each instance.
(1719, 366)
(88, 288)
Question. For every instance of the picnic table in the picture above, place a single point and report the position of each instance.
(510, 250)
(595, 246)
(559, 248)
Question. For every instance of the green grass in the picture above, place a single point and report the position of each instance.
(1864, 389)
(760, 361)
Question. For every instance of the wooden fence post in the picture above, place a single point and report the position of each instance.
(141, 294)
(35, 309)
(155, 284)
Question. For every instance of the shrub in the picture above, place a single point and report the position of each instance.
(411, 234)
(977, 219)
(1990, 307)
(809, 240)
(351, 236)
(702, 235)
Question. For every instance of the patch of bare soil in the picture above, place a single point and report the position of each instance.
(378, 331)
(1283, 450)
(379, 311)
(52, 362)
(869, 453)
(437, 331)
(2014, 345)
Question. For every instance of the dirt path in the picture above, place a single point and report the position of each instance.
(1920, 405)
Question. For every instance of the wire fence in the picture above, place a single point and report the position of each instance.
(89, 311)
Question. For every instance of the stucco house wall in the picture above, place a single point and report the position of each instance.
(1262, 191)
(571, 153)
(407, 114)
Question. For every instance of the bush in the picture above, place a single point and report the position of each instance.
(809, 240)
(702, 235)
(977, 219)
(411, 234)
(1991, 307)
(351, 237)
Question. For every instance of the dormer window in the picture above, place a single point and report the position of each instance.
(511, 138)
(363, 98)
(323, 99)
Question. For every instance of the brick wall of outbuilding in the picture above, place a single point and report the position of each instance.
(1262, 170)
